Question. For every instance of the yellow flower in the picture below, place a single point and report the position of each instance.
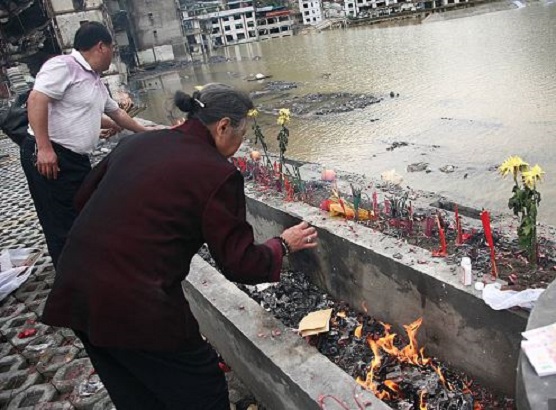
(253, 113)
(532, 176)
(199, 87)
(512, 165)
(283, 116)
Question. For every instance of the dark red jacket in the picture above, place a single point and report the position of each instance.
(146, 210)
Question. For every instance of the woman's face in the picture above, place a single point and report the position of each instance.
(227, 138)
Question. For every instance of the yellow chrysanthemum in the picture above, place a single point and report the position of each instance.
(513, 165)
(532, 176)
(283, 116)
(253, 113)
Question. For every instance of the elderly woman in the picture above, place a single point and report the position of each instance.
(145, 211)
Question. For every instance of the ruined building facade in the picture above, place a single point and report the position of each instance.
(31, 31)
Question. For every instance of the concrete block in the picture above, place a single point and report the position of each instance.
(5, 347)
(16, 323)
(34, 395)
(104, 404)
(58, 405)
(87, 393)
(356, 264)
(70, 375)
(10, 311)
(55, 358)
(28, 288)
(39, 346)
(37, 307)
(534, 392)
(12, 383)
(43, 273)
(12, 363)
(21, 342)
(280, 368)
(33, 296)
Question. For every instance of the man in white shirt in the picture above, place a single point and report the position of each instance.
(65, 112)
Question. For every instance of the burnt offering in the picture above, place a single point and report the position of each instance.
(391, 365)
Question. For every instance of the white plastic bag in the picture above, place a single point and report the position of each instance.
(505, 299)
(15, 267)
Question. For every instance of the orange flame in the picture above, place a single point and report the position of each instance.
(422, 404)
(440, 375)
(392, 386)
(410, 353)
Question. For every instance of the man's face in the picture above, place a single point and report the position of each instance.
(106, 51)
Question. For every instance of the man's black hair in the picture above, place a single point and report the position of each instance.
(89, 35)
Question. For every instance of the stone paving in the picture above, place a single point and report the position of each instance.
(49, 369)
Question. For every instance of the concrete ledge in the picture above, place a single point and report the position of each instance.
(356, 264)
(281, 370)
(534, 392)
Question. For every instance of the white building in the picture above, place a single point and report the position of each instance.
(213, 27)
(311, 11)
(374, 8)
(272, 23)
(233, 26)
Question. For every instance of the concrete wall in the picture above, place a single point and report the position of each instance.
(69, 23)
(67, 6)
(280, 368)
(155, 23)
(356, 264)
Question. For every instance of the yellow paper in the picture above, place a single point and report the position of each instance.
(315, 323)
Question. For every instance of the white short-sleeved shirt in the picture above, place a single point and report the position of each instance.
(79, 100)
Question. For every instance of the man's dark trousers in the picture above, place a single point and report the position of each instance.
(53, 198)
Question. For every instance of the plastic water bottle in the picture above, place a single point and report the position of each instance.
(466, 272)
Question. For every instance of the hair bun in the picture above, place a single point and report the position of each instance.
(184, 101)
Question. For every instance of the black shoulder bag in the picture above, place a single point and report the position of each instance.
(14, 122)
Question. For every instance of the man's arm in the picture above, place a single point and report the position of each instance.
(37, 109)
(121, 118)
(108, 127)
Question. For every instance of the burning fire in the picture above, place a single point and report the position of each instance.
(422, 404)
(410, 354)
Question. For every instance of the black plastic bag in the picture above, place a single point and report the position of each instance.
(14, 122)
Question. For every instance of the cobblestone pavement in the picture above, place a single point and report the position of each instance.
(49, 369)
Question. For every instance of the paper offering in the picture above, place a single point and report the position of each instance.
(540, 349)
(315, 323)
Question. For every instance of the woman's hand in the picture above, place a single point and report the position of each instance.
(301, 236)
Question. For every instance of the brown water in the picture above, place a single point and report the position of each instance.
(480, 88)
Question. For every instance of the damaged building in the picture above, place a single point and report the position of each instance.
(31, 31)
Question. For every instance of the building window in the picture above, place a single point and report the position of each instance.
(229, 38)
(226, 28)
(239, 26)
(225, 19)
(241, 36)
(252, 34)
(305, 6)
(249, 15)
(250, 24)
(314, 19)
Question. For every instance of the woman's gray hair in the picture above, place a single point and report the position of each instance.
(214, 102)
